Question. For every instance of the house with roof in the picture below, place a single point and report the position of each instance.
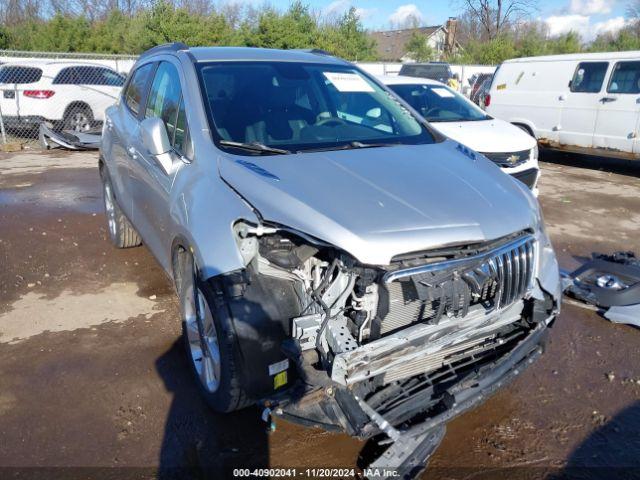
(391, 44)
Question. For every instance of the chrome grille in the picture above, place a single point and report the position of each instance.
(508, 159)
(513, 270)
(494, 279)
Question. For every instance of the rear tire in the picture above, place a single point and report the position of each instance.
(121, 232)
(210, 342)
(78, 118)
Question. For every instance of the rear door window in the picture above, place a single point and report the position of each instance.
(99, 76)
(136, 87)
(625, 78)
(17, 74)
(588, 77)
(66, 76)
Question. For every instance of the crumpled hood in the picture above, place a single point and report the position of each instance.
(487, 135)
(376, 203)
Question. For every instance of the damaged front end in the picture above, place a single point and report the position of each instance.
(392, 352)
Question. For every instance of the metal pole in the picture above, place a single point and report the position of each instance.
(4, 134)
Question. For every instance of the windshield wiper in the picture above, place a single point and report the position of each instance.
(254, 147)
(348, 146)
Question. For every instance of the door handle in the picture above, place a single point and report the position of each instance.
(608, 99)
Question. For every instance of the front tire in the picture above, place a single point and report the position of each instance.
(210, 342)
(121, 232)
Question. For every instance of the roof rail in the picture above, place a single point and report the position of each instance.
(315, 51)
(165, 47)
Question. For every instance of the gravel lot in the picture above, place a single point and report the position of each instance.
(92, 372)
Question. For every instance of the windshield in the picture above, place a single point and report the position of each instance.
(301, 107)
(438, 103)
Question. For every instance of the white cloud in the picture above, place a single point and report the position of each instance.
(405, 15)
(590, 7)
(337, 7)
(559, 24)
(340, 7)
(364, 13)
(610, 26)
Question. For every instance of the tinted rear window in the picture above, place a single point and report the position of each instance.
(88, 76)
(9, 74)
(434, 72)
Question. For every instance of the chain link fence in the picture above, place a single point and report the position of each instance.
(68, 92)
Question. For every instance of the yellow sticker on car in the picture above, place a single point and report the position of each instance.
(279, 380)
(502, 86)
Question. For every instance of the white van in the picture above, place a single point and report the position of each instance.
(584, 103)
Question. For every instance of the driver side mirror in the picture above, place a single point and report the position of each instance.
(154, 136)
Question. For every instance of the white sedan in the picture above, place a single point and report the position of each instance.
(453, 115)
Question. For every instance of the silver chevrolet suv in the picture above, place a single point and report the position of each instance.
(337, 260)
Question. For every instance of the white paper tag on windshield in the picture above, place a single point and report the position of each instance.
(348, 82)
(442, 92)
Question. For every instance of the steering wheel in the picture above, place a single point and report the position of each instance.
(335, 121)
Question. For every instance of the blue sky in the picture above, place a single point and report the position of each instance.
(588, 17)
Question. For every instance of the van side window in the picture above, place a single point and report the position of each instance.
(589, 77)
(625, 78)
(135, 89)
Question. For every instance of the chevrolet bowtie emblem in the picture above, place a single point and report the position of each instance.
(513, 158)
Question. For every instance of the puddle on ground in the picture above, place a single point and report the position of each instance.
(79, 198)
(35, 313)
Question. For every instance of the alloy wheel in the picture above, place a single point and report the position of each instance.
(110, 210)
(203, 339)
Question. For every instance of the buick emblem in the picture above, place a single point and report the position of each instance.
(478, 278)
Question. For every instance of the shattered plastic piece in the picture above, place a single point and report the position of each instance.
(408, 456)
(606, 280)
(629, 314)
(71, 140)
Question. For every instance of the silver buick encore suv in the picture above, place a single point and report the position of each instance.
(337, 260)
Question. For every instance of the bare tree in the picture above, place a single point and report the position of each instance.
(495, 16)
(13, 12)
(633, 14)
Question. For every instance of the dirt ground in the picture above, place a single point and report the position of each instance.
(92, 372)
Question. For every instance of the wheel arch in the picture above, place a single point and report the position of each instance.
(180, 251)
(76, 104)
